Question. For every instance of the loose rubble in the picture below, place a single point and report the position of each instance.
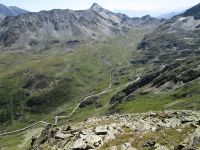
(97, 131)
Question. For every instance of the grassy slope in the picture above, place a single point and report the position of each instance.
(157, 101)
(70, 75)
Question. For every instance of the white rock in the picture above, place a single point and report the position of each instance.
(114, 125)
(179, 130)
(100, 130)
(160, 147)
(79, 144)
(147, 127)
(154, 128)
(173, 123)
(60, 135)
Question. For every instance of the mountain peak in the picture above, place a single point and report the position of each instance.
(146, 17)
(96, 7)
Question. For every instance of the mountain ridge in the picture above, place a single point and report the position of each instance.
(173, 45)
(46, 27)
(194, 11)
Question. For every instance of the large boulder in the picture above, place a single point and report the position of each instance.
(173, 122)
(60, 135)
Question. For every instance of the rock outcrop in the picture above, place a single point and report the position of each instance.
(96, 132)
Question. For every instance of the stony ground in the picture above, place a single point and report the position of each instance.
(177, 130)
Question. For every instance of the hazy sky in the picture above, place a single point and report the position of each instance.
(154, 7)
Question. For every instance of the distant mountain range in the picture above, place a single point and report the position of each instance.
(58, 27)
(11, 11)
(169, 15)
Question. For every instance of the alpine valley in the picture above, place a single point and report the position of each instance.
(95, 79)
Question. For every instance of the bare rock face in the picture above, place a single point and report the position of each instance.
(41, 30)
(90, 138)
(96, 132)
(177, 35)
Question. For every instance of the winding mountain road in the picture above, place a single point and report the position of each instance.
(60, 117)
(106, 90)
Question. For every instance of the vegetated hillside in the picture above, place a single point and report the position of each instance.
(66, 28)
(43, 85)
(173, 48)
(38, 83)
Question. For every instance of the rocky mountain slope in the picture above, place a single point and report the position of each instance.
(173, 48)
(175, 130)
(66, 27)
